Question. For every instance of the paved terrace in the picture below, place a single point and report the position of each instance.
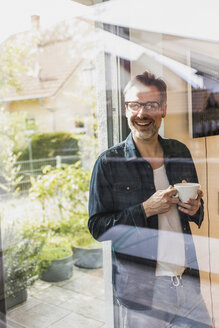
(77, 303)
(74, 303)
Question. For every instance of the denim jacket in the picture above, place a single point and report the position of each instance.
(121, 181)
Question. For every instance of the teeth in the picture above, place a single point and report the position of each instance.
(143, 124)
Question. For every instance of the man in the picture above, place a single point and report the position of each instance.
(155, 271)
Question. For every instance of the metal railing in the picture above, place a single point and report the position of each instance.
(34, 167)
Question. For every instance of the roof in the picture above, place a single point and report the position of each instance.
(53, 56)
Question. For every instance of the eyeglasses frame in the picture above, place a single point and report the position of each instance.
(142, 104)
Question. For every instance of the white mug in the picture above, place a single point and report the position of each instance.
(186, 190)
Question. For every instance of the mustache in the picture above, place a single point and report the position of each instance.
(145, 119)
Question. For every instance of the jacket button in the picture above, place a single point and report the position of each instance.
(128, 188)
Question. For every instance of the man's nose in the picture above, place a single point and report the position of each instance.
(142, 112)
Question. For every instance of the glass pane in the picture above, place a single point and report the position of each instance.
(53, 268)
(128, 251)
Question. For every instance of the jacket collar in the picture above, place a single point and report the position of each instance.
(131, 151)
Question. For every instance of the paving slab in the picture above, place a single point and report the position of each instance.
(39, 316)
(80, 272)
(12, 324)
(76, 321)
(77, 302)
(87, 306)
(91, 286)
(54, 295)
(31, 301)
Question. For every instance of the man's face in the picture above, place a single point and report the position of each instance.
(144, 123)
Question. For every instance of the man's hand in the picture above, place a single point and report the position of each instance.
(160, 202)
(192, 206)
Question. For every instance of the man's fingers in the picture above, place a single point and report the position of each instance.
(200, 193)
(192, 205)
(185, 210)
(173, 200)
(170, 191)
(194, 202)
(189, 206)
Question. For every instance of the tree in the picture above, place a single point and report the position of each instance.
(15, 59)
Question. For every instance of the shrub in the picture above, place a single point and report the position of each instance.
(53, 144)
(63, 194)
(51, 254)
(21, 265)
(45, 146)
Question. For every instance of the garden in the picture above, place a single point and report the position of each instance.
(44, 176)
(45, 243)
(47, 234)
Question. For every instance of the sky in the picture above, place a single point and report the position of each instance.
(15, 14)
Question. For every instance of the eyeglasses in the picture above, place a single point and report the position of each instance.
(150, 105)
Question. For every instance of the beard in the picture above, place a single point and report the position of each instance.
(146, 134)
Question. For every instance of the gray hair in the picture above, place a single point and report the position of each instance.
(149, 79)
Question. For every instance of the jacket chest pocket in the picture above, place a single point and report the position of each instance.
(127, 187)
(126, 193)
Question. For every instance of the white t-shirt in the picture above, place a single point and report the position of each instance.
(171, 248)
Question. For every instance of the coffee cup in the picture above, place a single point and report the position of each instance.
(186, 191)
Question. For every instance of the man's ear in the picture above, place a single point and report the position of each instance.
(164, 110)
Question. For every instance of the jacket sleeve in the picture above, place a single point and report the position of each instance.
(199, 216)
(102, 215)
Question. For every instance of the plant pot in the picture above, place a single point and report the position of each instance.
(59, 270)
(19, 298)
(88, 258)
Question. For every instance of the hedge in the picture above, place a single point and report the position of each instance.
(52, 144)
(46, 146)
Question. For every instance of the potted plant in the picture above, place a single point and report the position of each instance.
(87, 253)
(21, 269)
(55, 256)
(67, 188)
(56, 264)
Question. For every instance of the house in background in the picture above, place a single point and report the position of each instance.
(56, 92)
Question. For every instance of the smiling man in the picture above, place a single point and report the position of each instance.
(141, 99)
(155, 271)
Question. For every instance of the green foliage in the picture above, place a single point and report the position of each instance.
(48, 145)
(13, 126)
(13, 138)
(15, 59)
(21, 264)
(50, 240)
(51, 254)
(67, 189)
(52, 144)
(69, 184)
(84, 239)
(55, 240)
(9, 170)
